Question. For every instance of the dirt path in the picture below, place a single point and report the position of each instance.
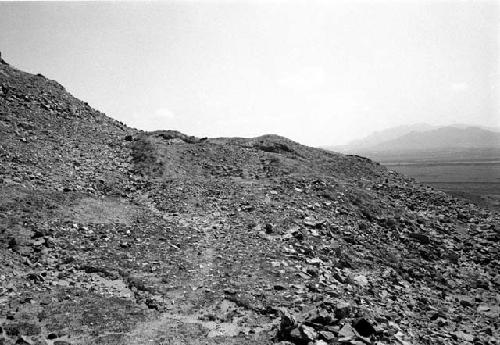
(186, 322)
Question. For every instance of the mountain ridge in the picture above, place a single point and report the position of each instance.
(443, 138)
(424, 137)
(388, 134)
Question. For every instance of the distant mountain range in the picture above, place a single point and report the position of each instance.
(392, 133)
(423, 140)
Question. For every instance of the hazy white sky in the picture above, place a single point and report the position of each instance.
(317, 72)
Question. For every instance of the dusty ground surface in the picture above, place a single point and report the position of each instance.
(109, 235)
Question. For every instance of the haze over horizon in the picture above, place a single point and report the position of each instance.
(319, 73)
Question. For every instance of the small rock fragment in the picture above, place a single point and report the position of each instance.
(346, 332)
(364, 328)
(342, 310)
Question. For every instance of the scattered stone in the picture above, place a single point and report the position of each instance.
(309, 332)
(298, 337)
(464, 336)
(287, 324)
(21, 341)
(342, 310)
(61, 342)
(328, 336)
(320, 342)
(423, 239)
(364, 328)
(346, 333)
(279, 287)
(21, 328)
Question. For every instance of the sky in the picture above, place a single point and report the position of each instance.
(318, 72)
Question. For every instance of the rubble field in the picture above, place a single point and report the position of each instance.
(111, 235)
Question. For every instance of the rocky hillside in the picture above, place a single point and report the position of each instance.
(109, 235)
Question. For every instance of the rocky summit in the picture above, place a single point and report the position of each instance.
(111, 235)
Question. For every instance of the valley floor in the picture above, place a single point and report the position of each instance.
(478, 182)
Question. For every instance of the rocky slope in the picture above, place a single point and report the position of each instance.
(109, 235)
